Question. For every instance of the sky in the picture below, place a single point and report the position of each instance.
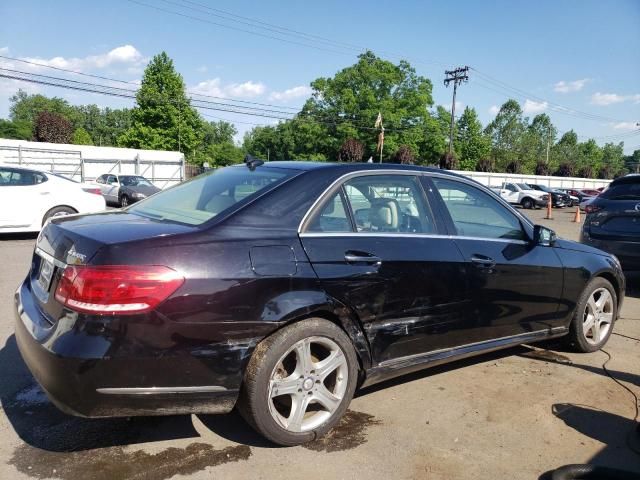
(576, 60)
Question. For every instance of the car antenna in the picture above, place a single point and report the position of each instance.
(252, 162)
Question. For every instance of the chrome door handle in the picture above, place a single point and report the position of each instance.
(483, 262)
(351, 257)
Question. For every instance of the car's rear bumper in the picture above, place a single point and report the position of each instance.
(627, 252)
(64, 359)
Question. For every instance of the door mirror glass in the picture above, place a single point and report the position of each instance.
(543, 236)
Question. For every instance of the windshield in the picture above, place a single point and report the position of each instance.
(196, 201)
(524, 186)
(622, 191)
(133, 181)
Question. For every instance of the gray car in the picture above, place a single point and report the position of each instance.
(125, 189)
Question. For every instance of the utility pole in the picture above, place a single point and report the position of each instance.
(457, 76)
(548, 144)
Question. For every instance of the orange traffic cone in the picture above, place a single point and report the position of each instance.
(576, 217)
(549, 216)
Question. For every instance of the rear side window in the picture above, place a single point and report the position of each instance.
(332, 217)
(476, 214)
(389, 203)
(196, 201)
(623, 191)
(20, 178)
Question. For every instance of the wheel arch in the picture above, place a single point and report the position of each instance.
(46, 213)
(611, 278)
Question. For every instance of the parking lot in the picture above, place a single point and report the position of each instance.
(514, 414)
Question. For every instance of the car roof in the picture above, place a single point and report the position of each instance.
(353, 166)
(630, 178)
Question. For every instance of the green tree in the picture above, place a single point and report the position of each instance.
(538, 139)
(632, 162)
(26, 108)
(218, 132)
(612, 160)
(163, 117)
(81, 137)
(471, 143)
(506, 132)
(18, 130)
(348, 104)
(565, 154)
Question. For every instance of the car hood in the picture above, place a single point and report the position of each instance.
(144, 189)
(535, 193)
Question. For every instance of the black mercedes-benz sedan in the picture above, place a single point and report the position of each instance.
(613, 221)
(281, 288)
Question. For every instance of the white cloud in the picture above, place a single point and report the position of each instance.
(214, 87)
(494, 109)
(291, 93)
(604, 99)
(534, 107)
(246, 90)
(625, 126)
(125, 55)
(570, 86)
(4, 50)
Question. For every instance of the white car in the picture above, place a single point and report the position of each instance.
(28, 198)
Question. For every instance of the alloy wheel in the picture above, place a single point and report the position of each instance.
(308, 384)
(598, 316)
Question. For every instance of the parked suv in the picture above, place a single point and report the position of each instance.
(558, 199)
(613, 221)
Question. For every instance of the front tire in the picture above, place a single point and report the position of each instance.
(299, 382)
(124, 201)
(595, 314)
(527, 203)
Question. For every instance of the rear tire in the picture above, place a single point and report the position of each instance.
(299, 382)
(594, 317)
(124, 201)
(527, 203)
(57, 212)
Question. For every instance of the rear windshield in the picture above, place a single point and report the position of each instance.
(622, 191)
(196, 201)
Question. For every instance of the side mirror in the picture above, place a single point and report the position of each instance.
(543, 236)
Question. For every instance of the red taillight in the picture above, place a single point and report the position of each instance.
(95, 191)
(591, 208)
(116, 289)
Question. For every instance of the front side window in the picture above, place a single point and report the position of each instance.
(389, 203)
(198, 200)
(475, 213)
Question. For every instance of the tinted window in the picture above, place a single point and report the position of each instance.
(475, 213)
(389, 203)
(134, 180)
(13, 178)
(100, 179)
(622, 191)
(510, 187)
(332, 217)
(199, 200)
(112, 179)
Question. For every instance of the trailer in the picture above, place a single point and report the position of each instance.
(85, 163)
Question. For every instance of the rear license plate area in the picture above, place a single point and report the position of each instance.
(45, 274)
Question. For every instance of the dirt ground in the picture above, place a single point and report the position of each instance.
(514, 414)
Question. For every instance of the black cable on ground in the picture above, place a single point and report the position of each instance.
(635, 429)
(626, 336)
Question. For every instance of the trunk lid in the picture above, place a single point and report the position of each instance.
(75, 240)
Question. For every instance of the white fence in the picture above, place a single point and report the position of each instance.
(497, 179)
(86, 163)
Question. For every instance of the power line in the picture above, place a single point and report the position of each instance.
(131, 94)
(111, 79)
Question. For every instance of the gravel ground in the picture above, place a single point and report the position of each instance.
(514, 414)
